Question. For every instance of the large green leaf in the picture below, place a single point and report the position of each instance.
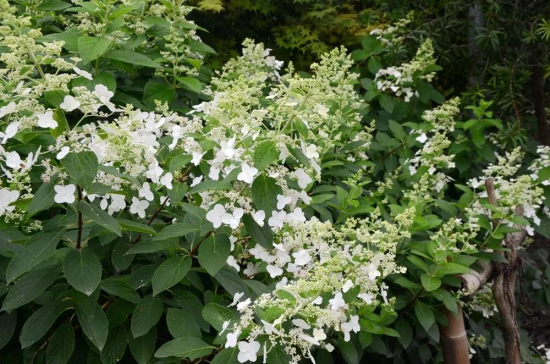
(92, 319)
(61, 345)
(40, 247)
(213, 253)
(120, 288)
(424, 314)
(264, 193)
(91, 48)
(262, 234)
(143, 347)
(43, 198)
(176, 230)
(190, 83)
(146, 315)
(265, 154)
(181, 324)
(82, 167)
(216, 315)
(430, 283)
(8, 322)
(29, 287)
(170, 273)
(82, 269)
(40, 322)
(115, 346)
(131, 57)
(184, 347)
(99, 216)
(227, 356)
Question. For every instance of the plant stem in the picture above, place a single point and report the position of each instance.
(79, 235)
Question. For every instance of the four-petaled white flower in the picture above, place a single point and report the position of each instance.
(6, 198)
(347, 286)
(64, 194)
(118, 203)
(351, 325)
(232, 338)
(282, 201)
(277, 219)
(145, 192)
(138, 207)
(274, 271)
(247, 173)
(247, 351)
(69, 103)
(13, 160)
(422, 138)
(244, 304)
(234, 219)
(303, 178)
(251, 269)
(10, 132)
(310, 151)
(259, 217)
(337, 302)
(63, 153)
(372, 271)
(83, 73)
(215, 215)
(232, 262)
(46, 120)
(166, 180)
(104, 95)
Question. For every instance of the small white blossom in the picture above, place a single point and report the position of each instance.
(64, 194)
(69, 103)
(46, 120)
(422, 138)
(138, 207)
(232, 262)
(83, 73)
(215, 215)
(63, 153)
(303, 178)
(351, 325)
(247, 173)
(145, 192)
(247, 351)
(7, 197)
(259, 217)
(277, 219)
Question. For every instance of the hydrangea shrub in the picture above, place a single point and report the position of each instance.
(263, 225)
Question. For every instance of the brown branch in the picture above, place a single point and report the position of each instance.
(194, 250)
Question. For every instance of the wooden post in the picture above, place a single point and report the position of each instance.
(454, 339)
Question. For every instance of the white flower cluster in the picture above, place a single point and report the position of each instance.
(326, 276)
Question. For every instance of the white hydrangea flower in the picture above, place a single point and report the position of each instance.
(232, 338)
(7, 197)
(8, 109)
(232, 262)
(166, 180)
(337, 302)
(277, 219)
(351, 325)
(247, 351)
(215, 216)
(64, 194)
(10, 132)
(303, 178)
(13, 160)
(247, 173)
(63, 153)
(274, 271)
(138, 207)
(83, 73)
(259, 217)
(282, 201)
(145, 192)
(46, 120)
(422, 138)
(236, 298)
(69, 103)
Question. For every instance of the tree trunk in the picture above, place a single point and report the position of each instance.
(454, 340)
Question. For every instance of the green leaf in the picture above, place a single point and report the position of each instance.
(119, 288)
(131, 57)
(264, 193)
(146, 315)
(448, 268)
(262, 234)
(181, 324)
(230, 281)
(8, 322)
(265, 154)
(92, 319)
(176, 230)
(29, 287)
(40, 322)
(61, 345)
(99, 216)
(82, 167)
(200, 47)
(40, 247)
(128, 225)
(153, 246)
(143, 347)
(53, 5)
(213, 253)
(430, 283)
(43, 198)
(405, 332)
(184, 347)
(156, 90)
(424, 314)
(91, 48)
(170, 272)
(397, 130)
(115, 346)
(216, 315)
(190, 83)
(82, 270)
(227, 356)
